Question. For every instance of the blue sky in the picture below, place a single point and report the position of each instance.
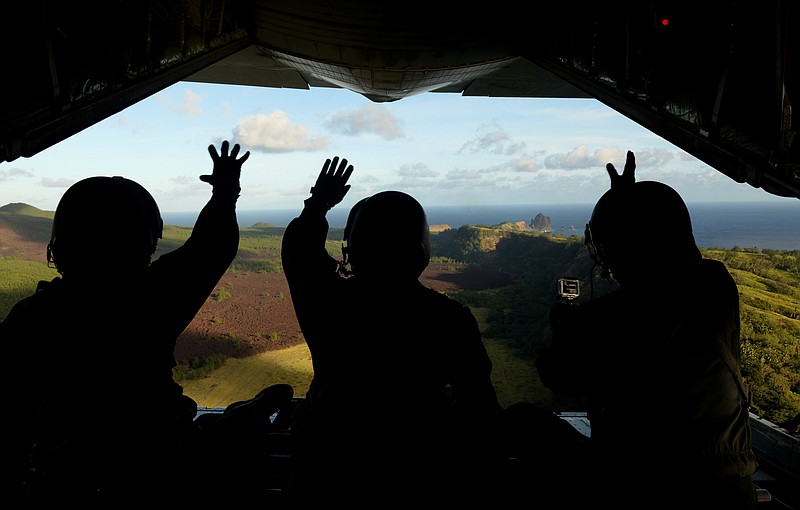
(442, 148)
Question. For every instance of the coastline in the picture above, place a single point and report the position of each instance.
(762, 225)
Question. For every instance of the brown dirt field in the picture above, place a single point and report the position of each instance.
(259, 316)
(255, 313)
(23, 245)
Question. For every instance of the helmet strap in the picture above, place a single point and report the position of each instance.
(50, 263)
(343, 269)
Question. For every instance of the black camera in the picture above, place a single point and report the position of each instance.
(569, 288)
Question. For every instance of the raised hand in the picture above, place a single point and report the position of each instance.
(331, 185)
(627, 178)
(227, 169)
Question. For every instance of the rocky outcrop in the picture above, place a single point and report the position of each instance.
(541, 223)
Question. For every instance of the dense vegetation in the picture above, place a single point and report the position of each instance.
(769, 289)
(768, 280)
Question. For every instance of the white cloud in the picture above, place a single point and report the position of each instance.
(650, 158)
(183, 180)
(614, 155)
(579, 158)
(493, 139)
(189, 105)
(416, 170)
(525, 164)
(13, 172)
(49, 182)
(369, 118)
(276, 133)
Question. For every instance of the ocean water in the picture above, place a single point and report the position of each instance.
(773, 225)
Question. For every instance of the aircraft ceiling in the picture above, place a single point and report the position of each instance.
(717, 82)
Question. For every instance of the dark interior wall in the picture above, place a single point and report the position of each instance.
(719, 82)
(69, 67)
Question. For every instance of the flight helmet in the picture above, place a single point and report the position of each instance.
(637, 225)
(387, 236)
(101, 221)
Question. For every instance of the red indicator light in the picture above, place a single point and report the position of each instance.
(664, 22)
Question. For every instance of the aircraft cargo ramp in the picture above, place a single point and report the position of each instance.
(778, 453)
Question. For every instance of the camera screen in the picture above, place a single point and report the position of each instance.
(569, 287)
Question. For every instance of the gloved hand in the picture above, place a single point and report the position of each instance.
(627, 178)
(331, 185)
(227, 169)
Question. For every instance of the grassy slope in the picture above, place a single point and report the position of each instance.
(240, 379)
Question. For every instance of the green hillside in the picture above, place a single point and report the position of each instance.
(513, 318)
(768, 281)
(26, 210)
